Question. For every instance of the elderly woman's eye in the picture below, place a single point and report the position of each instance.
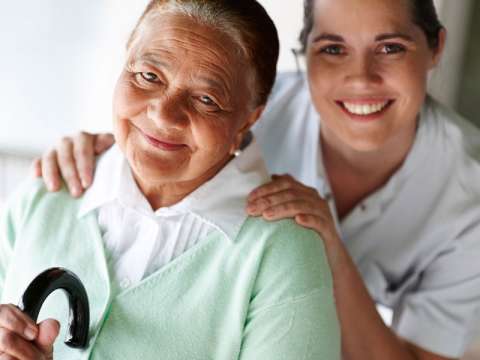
(207, 100)
(392, 49)
(148, 76)
(333, 50)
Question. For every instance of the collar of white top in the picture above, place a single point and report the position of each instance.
(219, 202)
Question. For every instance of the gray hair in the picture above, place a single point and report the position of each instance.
(245, 22)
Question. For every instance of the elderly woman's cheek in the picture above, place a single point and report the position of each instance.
(129, 107)
(219, 136)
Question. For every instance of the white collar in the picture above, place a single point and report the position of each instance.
(219, 202)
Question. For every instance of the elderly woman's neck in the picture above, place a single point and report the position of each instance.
(165, 194)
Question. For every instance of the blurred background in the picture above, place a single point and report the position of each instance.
(60, 60)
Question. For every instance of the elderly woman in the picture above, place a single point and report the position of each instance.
(389, 177)
(173, 266)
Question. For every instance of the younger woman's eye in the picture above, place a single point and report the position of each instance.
(392, 49)
(333, 50)
(148, 76)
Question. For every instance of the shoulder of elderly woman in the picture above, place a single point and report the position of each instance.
(292, 295)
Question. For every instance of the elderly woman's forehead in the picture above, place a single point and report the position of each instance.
(179, 26)
(182, 33)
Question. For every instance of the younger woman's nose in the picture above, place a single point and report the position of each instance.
(363, 72)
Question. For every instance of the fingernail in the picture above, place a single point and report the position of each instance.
(252, 208)
(268, 213)
(86, 182)
(30, 333)
(75, 191)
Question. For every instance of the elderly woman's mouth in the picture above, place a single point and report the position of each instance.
(163, 143)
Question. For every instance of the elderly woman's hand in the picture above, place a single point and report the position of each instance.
(22, 339)
(284, 197)
(73, 159)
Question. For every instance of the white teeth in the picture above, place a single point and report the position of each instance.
(365, 109)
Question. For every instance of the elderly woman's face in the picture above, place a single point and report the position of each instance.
(182, 103)
(368, 64)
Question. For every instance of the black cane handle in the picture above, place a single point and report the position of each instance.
(79, 314)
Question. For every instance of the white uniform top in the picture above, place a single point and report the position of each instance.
(416, 241)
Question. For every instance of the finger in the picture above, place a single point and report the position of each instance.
(259, 205)
(14, 320)
(4, 356)
(48, 332)
(36, 168)
(15, 346)
(50, 170)
(310, 221)
(277, 185)
(290, 209)
(103, 142)
(68, 169)
(84, 155)
(294, 183)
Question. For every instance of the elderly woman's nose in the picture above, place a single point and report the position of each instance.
(363, 71)
(168, 111)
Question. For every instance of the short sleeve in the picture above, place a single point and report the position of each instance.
(442, 313)
(292, 311)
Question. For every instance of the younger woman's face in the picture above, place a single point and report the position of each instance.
(367, 66)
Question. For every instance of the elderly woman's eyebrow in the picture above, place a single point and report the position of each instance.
(215, 84)
(328, 37)
(152, 59)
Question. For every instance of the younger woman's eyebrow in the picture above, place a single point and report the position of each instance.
(381, 37)
(390, 36)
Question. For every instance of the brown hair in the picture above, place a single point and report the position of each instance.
(424, 15)
(245, 21)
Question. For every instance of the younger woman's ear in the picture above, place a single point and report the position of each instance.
(438, 51)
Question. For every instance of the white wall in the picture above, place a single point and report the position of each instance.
(60, 61)
(58, 67)
(288, 16)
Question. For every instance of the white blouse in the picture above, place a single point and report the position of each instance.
(139, 240)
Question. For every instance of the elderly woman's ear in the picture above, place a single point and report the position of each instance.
(245, 128)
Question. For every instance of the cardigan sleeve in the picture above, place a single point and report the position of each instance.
(11, 218)
(292, 311)
(6, 246)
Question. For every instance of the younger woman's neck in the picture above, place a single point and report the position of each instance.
(354, 175)
(384, 160)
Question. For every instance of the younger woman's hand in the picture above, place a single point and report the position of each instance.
(284, 197)
(73, 159)
(22, 339)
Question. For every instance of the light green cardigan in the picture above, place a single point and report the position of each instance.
(265, 295)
